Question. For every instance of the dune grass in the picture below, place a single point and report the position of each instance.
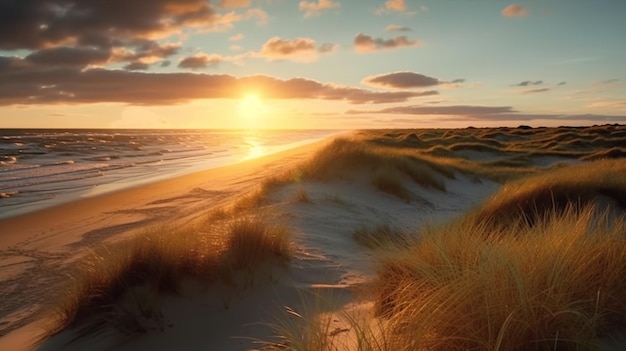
(343, 157)
(119, 287)
(556, 285)
(557, 189)
(539, 266)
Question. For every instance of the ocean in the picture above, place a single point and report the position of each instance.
(43, 168)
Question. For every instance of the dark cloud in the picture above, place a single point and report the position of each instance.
(149, 50)
(402, 80)
(34, 24)
(24, 83)
(69, 56)
(561, 83)
(165, 63)
(528, 83)
(405, 80)
(199, 61)
(610, 81)
(137, 66)
(366, 43)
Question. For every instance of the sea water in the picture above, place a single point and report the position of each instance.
(42, 168)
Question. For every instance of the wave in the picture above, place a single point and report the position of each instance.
(8, 194)
(8, 160)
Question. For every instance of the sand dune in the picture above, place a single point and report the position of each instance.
(322, 212)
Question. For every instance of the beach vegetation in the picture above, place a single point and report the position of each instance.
(555, 285)
(601, 182)
(119, 287)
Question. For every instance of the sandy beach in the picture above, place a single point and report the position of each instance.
(36, 246)
(329, 270)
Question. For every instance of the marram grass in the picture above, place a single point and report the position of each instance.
(119, 287)
(556, 285)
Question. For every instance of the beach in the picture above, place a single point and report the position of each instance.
(333, 212)
(66, 231)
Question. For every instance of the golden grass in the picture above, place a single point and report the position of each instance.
(555, 190)
(388, 181)
(557, 285)
(344, 157)
(119, 287)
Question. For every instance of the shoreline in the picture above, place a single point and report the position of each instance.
(121, 182)
(53, 218)
(53, 238)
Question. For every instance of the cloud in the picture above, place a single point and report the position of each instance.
(262, 18)
(69, 56)
(200, 61)
(366, 43)
(235, 3)
(397, 28)
(535, 91)
(401, 80)
(147, 52)
(406, 80)
(299, 49)
(327, 48)
(312, 8)
(483, 113)
(528, 83)
(514, 10)
(137, 66)
(28, 84)
(45, 23)
(561, 83)
(395, 5)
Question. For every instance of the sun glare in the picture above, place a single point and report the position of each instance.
(252, 108)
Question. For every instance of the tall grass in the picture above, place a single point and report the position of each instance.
(119, 287)
(557, 285)
(343, 157)
(555, 190)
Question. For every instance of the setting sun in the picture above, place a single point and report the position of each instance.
(253, 111)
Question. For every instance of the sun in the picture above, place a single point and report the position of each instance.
(254, 112)
(251, 106)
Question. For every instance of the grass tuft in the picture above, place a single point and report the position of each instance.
(556, 190)
(118, 287)
(389, 181)
(557, 285)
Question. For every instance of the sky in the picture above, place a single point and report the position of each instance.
(288, 64)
